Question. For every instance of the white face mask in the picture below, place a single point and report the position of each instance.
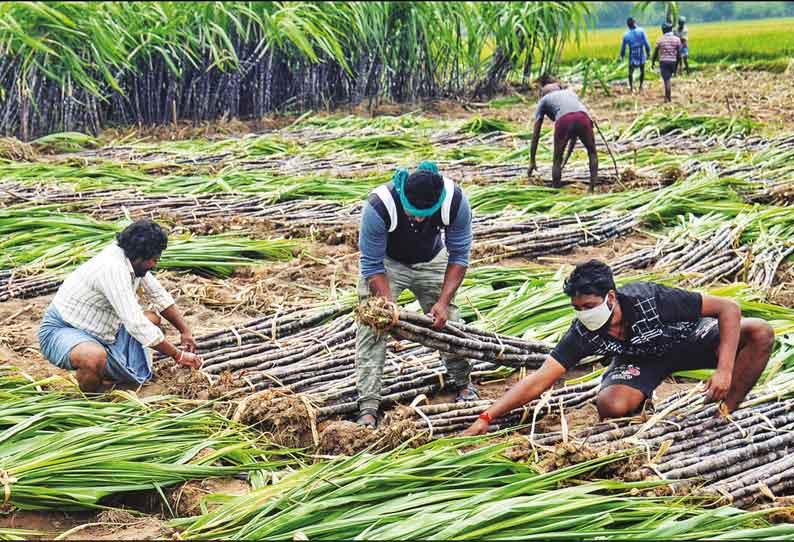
(595, 318)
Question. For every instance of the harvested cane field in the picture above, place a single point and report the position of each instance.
(263, 216)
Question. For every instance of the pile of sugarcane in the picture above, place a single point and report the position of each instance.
(312, 352)
(201, 213)
(533, 237)
(710, 249)
(458, 489)
(16, 286)
(314, 356)
(451, 418)
(61, 450)
(743, 457)
(711, 255)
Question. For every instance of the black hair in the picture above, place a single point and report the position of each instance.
(593, 277)
(423, 188)
(667, 27)
(548, 79)
(142, 239)
(630, 21)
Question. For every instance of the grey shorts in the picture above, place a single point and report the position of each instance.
(699, 351)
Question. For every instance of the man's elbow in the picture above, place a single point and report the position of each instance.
(458, 259)
(730, 309)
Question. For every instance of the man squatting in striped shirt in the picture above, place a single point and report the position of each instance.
(96, 326)
(415, 235)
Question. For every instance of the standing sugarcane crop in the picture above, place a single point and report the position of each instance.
(648, 331)
(571, 121)
(416, 235)
(95, 324)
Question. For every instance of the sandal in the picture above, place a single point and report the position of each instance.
(368, 418)
(467, 394)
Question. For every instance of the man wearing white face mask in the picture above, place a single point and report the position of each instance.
(647, 331)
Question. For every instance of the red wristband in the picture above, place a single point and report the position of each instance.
(486, 417)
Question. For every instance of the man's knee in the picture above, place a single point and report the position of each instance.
(90, 357)
(612, 403)
(153, 317)
(760, 334)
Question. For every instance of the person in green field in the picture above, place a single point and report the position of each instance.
(668, 53)
(682, 33)
(639, 48)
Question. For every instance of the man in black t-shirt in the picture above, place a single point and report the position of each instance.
(647, 331)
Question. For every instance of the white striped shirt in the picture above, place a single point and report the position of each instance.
(100, 296)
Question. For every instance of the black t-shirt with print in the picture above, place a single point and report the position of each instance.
(656, 317)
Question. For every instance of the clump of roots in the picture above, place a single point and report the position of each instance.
(398, 427)
(335, 236)
(13, 149)
(574, 452)
(629, 175)
(672, 174)
(283, 417)
(349, 438)
(378, 313)
(782, 510)
(224, 386)
(182, 381)
(345, 438)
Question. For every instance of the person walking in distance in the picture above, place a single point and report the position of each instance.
(636, 42)
(668, 53)
(682, 33)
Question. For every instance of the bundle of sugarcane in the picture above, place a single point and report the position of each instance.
(449, 418)
(319, 362)
(274, 326)
(36, 238)
(450, 489)
(742, 457)
(201, 214)
(707, 251)
(768, 253)
(20, 286)
(531, 239)
(454, 338)
(60, 450)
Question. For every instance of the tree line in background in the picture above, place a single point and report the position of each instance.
(67, 66)
(614, 14)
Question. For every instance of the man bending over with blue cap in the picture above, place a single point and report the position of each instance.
(415, 235)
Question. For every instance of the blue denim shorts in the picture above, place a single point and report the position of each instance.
(127, 360)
